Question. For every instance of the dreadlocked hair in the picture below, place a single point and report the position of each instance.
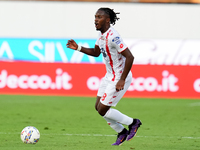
(111, 14)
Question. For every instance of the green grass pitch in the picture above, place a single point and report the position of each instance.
(71, 123)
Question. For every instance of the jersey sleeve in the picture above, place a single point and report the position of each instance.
(118, 43)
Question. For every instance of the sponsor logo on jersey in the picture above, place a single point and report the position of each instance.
(116, 40)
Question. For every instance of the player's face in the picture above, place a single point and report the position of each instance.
(101, 21)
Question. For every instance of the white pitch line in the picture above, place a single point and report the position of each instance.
(135, 136)
(68, 134)
(195, 104)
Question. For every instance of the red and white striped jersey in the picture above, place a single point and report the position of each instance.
(111, 45)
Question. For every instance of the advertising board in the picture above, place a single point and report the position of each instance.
(83, 79)
(146, 52)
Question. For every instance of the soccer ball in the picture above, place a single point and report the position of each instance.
(30, 135)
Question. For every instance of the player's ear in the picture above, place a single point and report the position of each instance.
(108, 20)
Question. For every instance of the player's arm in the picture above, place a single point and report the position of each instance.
(128, 64)
(89, 51)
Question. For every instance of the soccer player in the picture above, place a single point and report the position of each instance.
(118, 60)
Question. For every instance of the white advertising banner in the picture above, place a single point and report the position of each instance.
(165, 52)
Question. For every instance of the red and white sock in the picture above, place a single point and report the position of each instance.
(114, 125)
(117, 116)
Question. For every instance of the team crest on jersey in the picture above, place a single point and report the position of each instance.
(103, 52)
(116, 40)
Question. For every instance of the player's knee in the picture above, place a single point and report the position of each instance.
(101, 108)
(97, 103)
(102, 112)
(96, 107)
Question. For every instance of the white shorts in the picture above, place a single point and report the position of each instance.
(109, 95)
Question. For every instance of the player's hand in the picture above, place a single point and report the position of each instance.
(72, 44)
(120, 85)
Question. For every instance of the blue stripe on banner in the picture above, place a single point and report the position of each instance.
(45, 50)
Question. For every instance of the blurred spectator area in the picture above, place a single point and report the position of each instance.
(128, 1)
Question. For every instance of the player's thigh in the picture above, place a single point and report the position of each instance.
(97, 102)
(111, 97)
(102, 87)
(101, 91)
(122, 92)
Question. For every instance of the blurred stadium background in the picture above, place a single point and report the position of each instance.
(163, 35)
